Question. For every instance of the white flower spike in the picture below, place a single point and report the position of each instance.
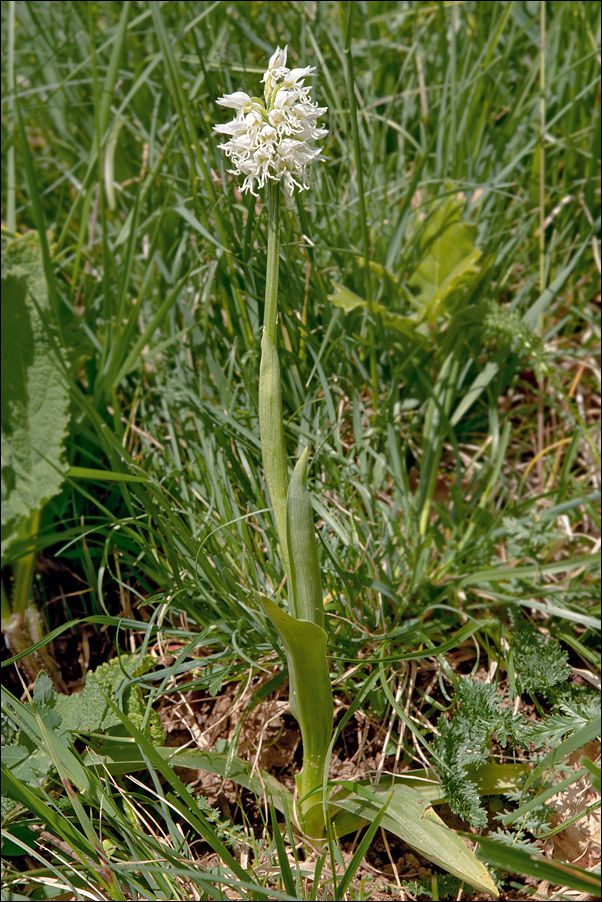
(272, 139)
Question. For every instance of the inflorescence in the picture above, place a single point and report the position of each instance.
(273, 139)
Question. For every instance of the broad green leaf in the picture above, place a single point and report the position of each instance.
(406, 325)
(346, 300)
(310, 696)
(413, 819)
(448, 258)
(491, 779)
(34, 395)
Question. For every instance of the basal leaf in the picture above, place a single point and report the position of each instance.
(34, 395)
(558, 873)
(310, 696)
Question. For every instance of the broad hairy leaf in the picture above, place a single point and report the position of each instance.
(34, 395)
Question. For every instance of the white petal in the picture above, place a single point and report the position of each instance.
(296, 74)
(230, 128)
(236, 101)
(278, 58)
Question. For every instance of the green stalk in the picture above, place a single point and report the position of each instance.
(271, 427)
(270, 313)
(302, 634)
(346, 12)
(542, 237)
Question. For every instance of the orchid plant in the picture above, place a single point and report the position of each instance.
(272, 141)
(272, 144)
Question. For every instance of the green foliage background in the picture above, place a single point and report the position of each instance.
(455, 508)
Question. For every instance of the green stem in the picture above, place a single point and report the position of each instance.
(302, 634)
(346, 11)
(271, 429)
(270, 314)
(5, 607)
(24, 568)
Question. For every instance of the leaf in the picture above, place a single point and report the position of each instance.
(540, 661)
(519, 862)
(346, 300)
(308, 603)
(87, 711)
(463, 745)
(273, 446)
(596, 774)
(577, 740)
(122, 756)
(310, 697)
(413, 819)
(34, 395)
(448, 257)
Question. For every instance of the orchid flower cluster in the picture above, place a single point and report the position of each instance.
(272, 138)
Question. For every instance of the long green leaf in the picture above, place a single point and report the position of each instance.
(310, 698)
(413, 819)
(120, 756)
(555, 872)
(308, 603)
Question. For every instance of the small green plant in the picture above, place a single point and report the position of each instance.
(88, 712)
(540, 662)
(465, 744)
(272, 142)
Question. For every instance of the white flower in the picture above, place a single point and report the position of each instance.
(294, 75)
(238, 101)
(277, 65)
(272, 139)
